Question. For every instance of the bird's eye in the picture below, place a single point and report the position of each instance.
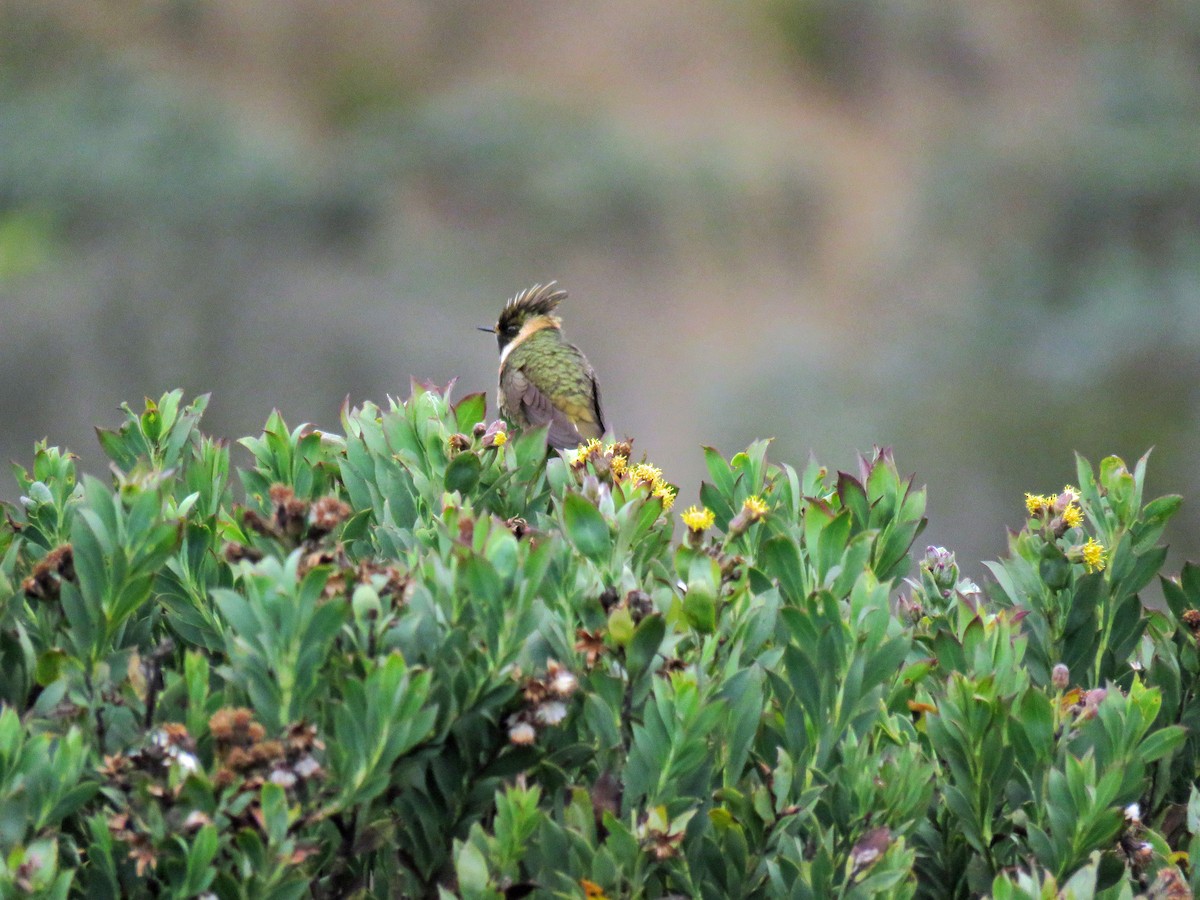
(510, 331)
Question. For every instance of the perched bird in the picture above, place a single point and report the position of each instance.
(543, 379)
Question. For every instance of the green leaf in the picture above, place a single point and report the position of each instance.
(50, 664)
(700, 608)
(1162, 742)
(780, 559)
(853, 497)
(721, 473)
(462, 474)
(200, 856)
(469, 411)
(586, 528)
(643, 647)
(472, 871)
(275, 812)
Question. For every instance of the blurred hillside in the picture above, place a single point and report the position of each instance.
(970, 230)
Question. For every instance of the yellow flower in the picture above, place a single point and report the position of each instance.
(620, 464)
(1073, 516)
(698, 520)
(1094, 555)
(755, 507)
(578, 457)
(1035, 503)
(647, 473)
(499, 439)
(665, 493)
(1069, 489)
(586, 452)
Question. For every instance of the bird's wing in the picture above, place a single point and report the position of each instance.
(540, 411)
(532, 409)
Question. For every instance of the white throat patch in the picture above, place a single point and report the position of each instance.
(535, 324)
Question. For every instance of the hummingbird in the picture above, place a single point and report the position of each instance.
(543, 379)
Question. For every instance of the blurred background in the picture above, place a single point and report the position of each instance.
(968, 229)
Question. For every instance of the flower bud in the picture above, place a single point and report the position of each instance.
(1060, 677)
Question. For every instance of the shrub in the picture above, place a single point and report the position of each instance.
(424, 659)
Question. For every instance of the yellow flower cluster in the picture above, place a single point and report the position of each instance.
(1035, 503)
(755, 506)
(618, 462)
(1094, 556)
(1065, 504)
(698, 520)
(592, 448)
(665, 493)
(644, 472)
(1073, 516)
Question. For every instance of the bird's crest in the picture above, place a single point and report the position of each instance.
(539, 300)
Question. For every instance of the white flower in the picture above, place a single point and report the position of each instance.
(563, 684)
(551, 713)
(522, 733)
(186, 761)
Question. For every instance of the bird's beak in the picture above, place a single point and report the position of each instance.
(488, 329)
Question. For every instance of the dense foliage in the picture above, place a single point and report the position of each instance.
(422, 659)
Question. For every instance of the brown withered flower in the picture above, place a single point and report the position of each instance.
(290, 513)
(1191, 618)
(142, 852)
(640, 605)
(609, 598)
(663, 844)
(326, 515)
(252, 521)
(869, 849)
(267, 752)
(534, 690)
(116, 770)
(239, 759)
(235, 553)
(466, 530)
(335, 559)
(590, 644)
(235, 726)
(672, 664)
(1169, 884)
(388, 580)
(55, 567)
(300, 738)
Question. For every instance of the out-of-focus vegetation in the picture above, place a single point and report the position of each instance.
(968, 230)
